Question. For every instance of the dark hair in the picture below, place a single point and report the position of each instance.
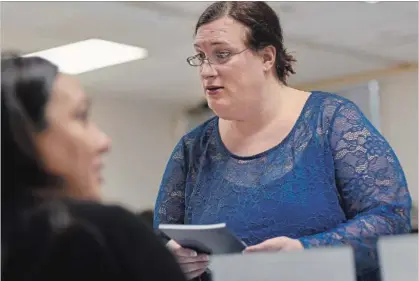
(26, 84)
(264, 26)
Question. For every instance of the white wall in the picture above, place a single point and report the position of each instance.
(143, 139)
(399, 113)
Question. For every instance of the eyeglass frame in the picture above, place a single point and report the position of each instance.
(188, 59)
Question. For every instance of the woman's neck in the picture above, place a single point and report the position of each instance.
(279, 105)
(272, 107)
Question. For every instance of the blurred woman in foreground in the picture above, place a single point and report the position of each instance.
(52, 226)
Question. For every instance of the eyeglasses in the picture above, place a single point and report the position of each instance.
(214, 58)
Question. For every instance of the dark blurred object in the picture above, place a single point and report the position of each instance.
(147, 216)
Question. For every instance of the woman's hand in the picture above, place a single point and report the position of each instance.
(276, 244)
(192, 264)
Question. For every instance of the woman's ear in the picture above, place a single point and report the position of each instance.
(268, 55)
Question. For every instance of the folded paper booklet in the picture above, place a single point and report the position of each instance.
(213, 239)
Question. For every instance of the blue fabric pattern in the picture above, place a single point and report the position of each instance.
(333, 180)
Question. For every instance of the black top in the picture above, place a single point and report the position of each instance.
(68, 240)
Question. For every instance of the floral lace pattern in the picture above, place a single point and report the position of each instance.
(333, 180)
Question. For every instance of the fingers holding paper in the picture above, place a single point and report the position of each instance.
(194, 269)
(276, 244)
(179, 251)
(192, 263)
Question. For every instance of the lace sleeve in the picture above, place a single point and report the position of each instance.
(372, 187)
(170, 203)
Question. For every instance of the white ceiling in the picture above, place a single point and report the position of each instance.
(329, 39)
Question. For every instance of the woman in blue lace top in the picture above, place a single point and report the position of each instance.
(285, 169)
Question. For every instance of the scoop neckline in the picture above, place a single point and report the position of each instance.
(263, 153)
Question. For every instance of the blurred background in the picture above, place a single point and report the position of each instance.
(366, 51)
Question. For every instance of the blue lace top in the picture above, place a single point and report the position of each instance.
(333, 180)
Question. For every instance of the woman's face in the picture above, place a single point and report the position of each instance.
(72, 146)
(241, 77)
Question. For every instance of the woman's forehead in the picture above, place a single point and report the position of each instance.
(221, 31)
(67, 89)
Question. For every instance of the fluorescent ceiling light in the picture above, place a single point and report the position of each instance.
(90, 55)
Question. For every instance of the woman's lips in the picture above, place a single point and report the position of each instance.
(214, 91)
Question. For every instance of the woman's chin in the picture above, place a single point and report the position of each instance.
(222, 109)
